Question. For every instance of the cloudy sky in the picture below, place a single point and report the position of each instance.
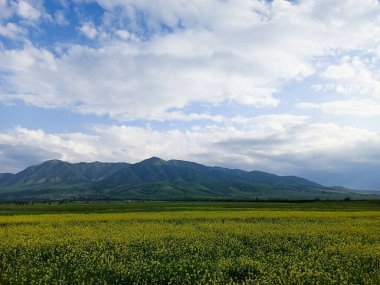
(289, 87)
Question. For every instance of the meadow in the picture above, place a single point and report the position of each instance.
(190, 243)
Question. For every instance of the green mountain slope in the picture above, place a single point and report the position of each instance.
(97, 170)
(52, 171)
(157, 179)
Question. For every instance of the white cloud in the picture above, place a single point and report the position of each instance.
(352, 77)
(217, 51)
(6, 10)
(264, 123)
(89, 30)
(354, 107)
(353, 85)
(118, 81)
(286, 148)
(17, 18)
(28, 11)
(12, 31)
(72, 146)
(123, 34)
(60, 18)
(8, 29)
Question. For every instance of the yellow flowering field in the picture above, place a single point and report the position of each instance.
(191, 246)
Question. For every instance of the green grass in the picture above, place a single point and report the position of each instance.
(190, 243)
(120, 207)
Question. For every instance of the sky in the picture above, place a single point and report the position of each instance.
(287, 87)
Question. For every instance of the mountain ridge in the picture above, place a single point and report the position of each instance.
(158, 179)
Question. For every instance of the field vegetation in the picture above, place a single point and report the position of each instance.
(190, 243)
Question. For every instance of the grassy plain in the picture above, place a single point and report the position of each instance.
(190, 243)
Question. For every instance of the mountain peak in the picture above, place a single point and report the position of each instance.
(54, 161)
(154, 160)
(157, 179)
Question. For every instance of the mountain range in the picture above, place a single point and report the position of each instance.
(157, 179)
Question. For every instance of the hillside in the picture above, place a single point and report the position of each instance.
(157, 179)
